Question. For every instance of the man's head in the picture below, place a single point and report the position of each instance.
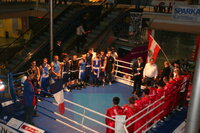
(66, 58)
(131, 100)
(166, 64)
(33, 63)
(45, 60)
(151, 61)
(102, 52)
(166, 80)
(97, 55)
(109, 53)
(74, 57)
(112, 49)
(56, 58)
(84, 56)
(90, 51)
(140, 59)
(29, 74)
(160, 84)
(116, 100)
(146, 91)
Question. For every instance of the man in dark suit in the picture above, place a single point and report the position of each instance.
(138, 67)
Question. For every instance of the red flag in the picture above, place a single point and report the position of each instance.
(153, 49)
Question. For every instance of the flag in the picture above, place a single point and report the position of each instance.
(153, 49)
(57, 91)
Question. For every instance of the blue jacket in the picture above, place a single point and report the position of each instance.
(28, 93)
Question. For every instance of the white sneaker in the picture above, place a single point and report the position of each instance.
(154, 126)
(66, 89)
(110, 83)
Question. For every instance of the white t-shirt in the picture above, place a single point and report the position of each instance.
(150, 71)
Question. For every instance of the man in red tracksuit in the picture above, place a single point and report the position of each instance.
(146, 100)
(112, 112)
(129, 111)
(138, 107)
(167, 92)
(160, 93)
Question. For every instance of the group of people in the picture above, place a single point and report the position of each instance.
(91, 69)
(170, 84)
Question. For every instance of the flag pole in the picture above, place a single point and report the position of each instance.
(164, 54)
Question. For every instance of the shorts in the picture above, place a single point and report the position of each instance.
(74, 75)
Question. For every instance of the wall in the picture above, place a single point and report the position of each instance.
(176, 45)
(11, 26)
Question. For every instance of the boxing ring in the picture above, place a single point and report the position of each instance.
(85, 109)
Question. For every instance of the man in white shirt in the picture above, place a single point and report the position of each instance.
(150, 73)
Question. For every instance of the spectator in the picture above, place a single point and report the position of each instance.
(161, 7)
(112, 112)
(169, 8)
(109, 3)
(80, 38)
(150, 73)
(137, 4)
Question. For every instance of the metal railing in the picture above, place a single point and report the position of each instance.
(83, 115)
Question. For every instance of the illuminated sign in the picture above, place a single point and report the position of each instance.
(186, 13)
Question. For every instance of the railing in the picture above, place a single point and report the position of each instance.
(123, 68)
(148, 110)
(83, 115)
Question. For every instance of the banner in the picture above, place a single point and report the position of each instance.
(6, 129)
(186, 13)
(22, 126)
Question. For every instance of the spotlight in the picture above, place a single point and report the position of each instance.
(2, 86)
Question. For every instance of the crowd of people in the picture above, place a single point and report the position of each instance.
(92, 69)
(96, 69)
(172, 83)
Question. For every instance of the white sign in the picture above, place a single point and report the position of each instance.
(7, 103)
(27, 128)
(180, 128)
(14, 123)
(186, 13)
(6, 129)
(119, 126)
